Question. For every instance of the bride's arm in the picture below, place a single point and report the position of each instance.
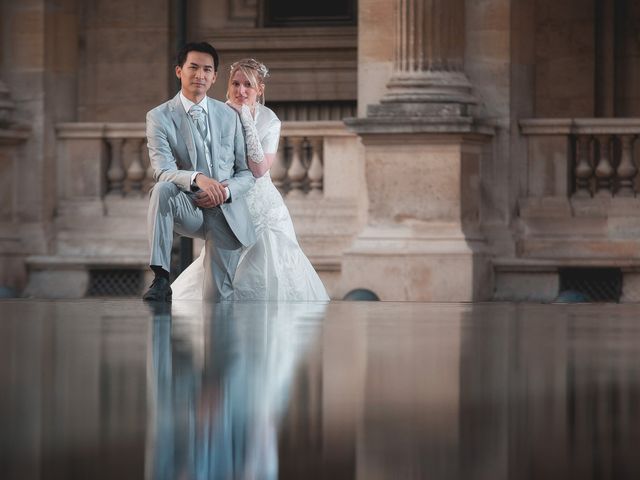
(259, 161)
(255, 154)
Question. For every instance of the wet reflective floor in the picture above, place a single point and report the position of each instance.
(351, 390)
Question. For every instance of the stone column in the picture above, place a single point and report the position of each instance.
(422, 151)
(428, 78)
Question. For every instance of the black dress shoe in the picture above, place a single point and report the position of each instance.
(159, 291)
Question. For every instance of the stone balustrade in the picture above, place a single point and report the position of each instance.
(578, 210)
(299, 169)
(582, 157)
(103, 176)
(113, 159)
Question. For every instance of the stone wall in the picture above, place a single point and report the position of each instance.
(565, 60)
(375, 51)
(307, 64)
(127, 52)
(38, 66)
(627, 57)
(110, 61)
(490, 37)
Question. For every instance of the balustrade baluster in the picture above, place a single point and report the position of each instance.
(278, 170)
(583, 170)
(115, 173)
(135, 172)
(148, 177)
(297, 172)
(315, 172)
(627, 169)
(604, 171)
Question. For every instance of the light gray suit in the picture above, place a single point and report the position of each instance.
(175, 153)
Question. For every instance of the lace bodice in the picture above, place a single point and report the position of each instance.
(265, 203)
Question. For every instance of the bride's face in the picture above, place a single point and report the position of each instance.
(241, 92)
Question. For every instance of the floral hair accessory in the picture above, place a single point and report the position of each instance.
(259, 67)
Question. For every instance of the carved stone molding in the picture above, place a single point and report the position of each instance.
(314, 64)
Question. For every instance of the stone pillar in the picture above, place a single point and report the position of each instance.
(14, 236)
(422, 151)
(428, 78)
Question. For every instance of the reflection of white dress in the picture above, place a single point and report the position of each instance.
(274, 268)
(220, 383)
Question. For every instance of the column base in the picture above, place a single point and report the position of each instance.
(417, 109)
(426, 94)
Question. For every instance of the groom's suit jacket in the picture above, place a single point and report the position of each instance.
(172, 152)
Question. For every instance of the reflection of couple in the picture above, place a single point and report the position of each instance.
(220, 418)
(211, 162)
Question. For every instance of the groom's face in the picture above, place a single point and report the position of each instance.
(196, 75)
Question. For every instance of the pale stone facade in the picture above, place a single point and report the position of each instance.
(440, 150)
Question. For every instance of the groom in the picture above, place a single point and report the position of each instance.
(197, 150)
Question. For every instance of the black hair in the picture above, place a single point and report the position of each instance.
(202, 47)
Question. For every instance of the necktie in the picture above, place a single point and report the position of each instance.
(197, 114)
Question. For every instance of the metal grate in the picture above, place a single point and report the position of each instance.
(596, 284)
(115, 283)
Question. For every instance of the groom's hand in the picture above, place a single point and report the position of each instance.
(212, 193)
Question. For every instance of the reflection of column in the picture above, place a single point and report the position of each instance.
(428, 76)
(411, 421)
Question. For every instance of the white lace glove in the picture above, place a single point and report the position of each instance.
(254, 147)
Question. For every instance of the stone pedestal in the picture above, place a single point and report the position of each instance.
(422, 241)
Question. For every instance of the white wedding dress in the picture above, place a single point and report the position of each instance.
(274, 268)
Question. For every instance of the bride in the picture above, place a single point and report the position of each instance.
(274, 268)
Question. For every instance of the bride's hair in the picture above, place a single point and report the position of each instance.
(255, 71)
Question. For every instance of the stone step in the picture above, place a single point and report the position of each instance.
(580, 248)
(112, 213)
(102, 241)
(553, 265)
(67, 276)
(538, 280)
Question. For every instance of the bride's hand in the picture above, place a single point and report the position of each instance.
(241, 108)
